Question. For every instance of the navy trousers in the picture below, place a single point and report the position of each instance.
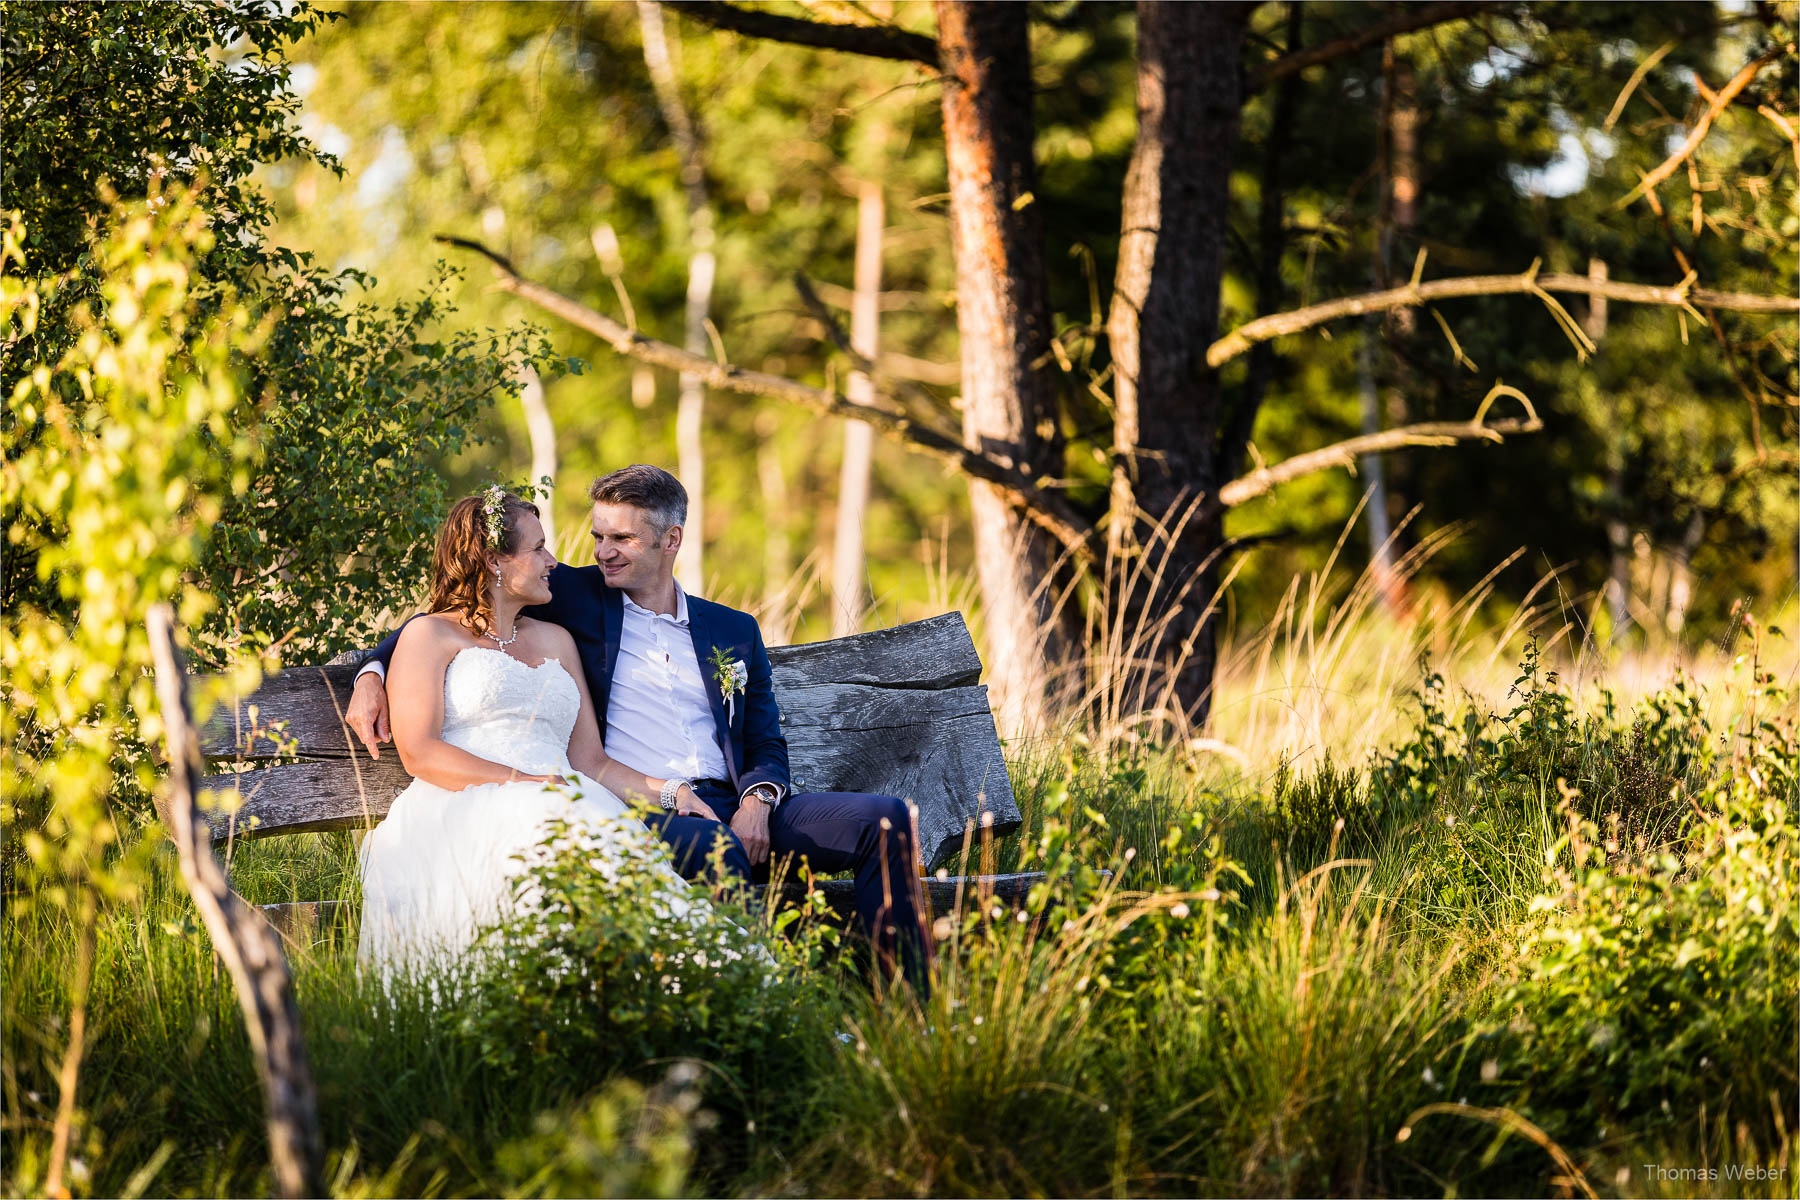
(831, 832)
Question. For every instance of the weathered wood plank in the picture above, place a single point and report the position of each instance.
(931, 654)
(923, 655)
(935, 748)
(303, 921)
(309, 699)
(895, 711)
(310, 795)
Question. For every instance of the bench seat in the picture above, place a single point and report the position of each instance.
(897, 711)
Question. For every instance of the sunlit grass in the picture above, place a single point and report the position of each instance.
(1267, 948)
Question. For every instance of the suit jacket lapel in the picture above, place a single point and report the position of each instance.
(701, 632)
(612, 621)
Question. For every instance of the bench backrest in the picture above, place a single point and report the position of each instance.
(897, 711)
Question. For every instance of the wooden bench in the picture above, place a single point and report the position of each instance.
(897, 711)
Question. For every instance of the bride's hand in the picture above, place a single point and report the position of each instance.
(687, 804)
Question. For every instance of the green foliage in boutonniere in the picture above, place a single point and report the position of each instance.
(730, 674)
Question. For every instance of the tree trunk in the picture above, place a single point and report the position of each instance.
(543, 444)
(1618, 534)
(779, 584)
(1396, 167)
(1162, 569)
(847, 574)
(690, 412)
(1009, 385)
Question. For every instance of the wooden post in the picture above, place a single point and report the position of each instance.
(249, 947)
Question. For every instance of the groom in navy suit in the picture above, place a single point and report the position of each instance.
(683, 691)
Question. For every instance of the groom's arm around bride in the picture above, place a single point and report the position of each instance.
(683, 691)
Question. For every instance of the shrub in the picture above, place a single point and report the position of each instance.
(592, 978)
(1661, 985)
(622, 1141)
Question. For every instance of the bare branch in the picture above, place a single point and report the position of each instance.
(873, 41)
(1725, 96)
(1408, 19)
(1043, 506)
(1345, 453)
(898, 388)
(244, 942)
(1682, 295)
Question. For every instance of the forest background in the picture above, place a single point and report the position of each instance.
(238, 380)
(1486, 143)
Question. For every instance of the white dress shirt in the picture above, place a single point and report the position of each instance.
(659, 717)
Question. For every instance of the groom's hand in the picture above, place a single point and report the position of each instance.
(368, 712)
(751, 824)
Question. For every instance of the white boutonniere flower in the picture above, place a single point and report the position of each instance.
(732, 675)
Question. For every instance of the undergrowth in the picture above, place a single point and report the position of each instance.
(1527, 946)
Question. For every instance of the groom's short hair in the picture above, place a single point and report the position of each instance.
(642, 486)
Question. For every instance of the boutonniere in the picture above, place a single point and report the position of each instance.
(731, 675)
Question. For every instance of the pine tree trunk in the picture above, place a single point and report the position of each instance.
(1009, 385)
(1162, 570)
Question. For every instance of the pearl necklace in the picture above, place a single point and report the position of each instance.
(509, 641)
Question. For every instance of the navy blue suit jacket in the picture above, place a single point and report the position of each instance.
(580, 601)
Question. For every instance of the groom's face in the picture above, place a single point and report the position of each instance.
(630, 551)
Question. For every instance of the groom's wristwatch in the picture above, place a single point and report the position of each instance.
(669, 788)
(767, 794)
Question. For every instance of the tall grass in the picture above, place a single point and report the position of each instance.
(1326, 922)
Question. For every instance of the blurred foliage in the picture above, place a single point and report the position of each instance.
(354, 406)
(120, 456)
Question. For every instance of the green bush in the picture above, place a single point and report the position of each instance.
(1661, 985)
(593, 979)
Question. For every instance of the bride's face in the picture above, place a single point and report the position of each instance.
(525, 575)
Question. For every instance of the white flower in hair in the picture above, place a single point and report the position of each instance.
(493, 515)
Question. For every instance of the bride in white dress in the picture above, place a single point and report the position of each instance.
(492, 718)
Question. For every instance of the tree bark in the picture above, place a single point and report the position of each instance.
(1165, 310)
(1009, 386)
(847, 570)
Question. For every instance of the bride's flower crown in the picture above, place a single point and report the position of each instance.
(493, 515)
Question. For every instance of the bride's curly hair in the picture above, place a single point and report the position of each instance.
(459, 568)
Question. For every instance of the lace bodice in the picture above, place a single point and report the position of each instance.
(500, 709)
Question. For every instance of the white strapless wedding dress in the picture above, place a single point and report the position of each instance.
(442, 865)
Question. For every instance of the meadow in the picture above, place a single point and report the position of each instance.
(1430, 911)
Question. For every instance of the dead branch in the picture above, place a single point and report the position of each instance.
(899, 388)
(1724, 97)
(243, 940)
(873, 41)
(1409, 19)
(1043, 506)
(1682, 295)
(1345, 453)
